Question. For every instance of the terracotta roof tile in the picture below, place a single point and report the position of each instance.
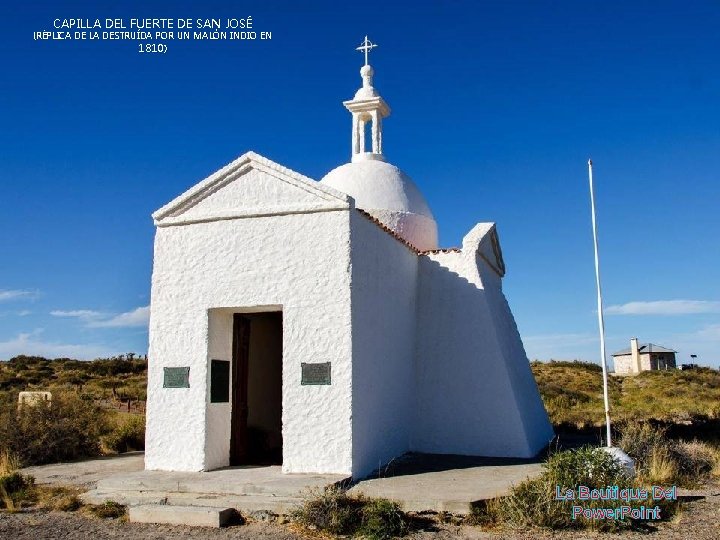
(395, 235)
(442, 250)
(388, 230)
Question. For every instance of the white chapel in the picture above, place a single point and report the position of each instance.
(318, 325)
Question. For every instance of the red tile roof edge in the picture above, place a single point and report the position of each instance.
(407, 244)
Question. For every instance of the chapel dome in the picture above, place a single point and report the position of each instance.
(389, 195)
(379, 188)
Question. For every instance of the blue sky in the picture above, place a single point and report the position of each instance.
(496, 108)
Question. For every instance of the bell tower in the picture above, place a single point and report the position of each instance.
(368, 110)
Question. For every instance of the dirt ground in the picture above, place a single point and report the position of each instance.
(700, 520)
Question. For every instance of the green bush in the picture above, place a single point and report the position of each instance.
(381, 520)
(533, 504)
(15, 488)
(64, 429)
(330, 510)
(334, 511)
(128, 436)
(108, 510)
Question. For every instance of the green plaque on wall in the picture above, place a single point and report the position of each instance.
(176, 377)
(315, 373)
(219, 381)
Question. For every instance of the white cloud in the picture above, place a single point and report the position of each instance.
(137, 317)
(561, 346)
(30, 344)
(565, 339)
(7, 295)
(98, 319)
(83, 314)
(710, 333)
(664, 307)
(704, 342)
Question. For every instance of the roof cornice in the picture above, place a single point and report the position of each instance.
(235, 169)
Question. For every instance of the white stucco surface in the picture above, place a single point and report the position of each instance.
(206, 270)
(424, 350)
(384, 285)
(390, 195)
(475, 392)
(217, 436)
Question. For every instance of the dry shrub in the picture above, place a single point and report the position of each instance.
(640, 440)
(9, 463)
(382, 519)
(330, 510)
(108, 510)
(64, 429)
(661, 460)
(59, 498)
(695, 460)
(532, 503)
(128, 435)
(661, 468)
(334, 511)
(16, 491)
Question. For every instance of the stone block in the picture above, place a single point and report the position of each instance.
(193, 516)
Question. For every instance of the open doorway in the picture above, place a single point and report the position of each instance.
(256, 419)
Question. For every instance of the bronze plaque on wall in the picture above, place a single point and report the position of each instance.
(315, 373)
(176, 377)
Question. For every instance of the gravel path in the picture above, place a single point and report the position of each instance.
(700, 520)
(58, 525)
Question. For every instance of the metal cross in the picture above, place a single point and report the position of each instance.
(365, 47)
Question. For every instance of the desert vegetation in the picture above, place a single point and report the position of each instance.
(333, 511)
(666, 421)
(572, 393)
(120, 379)
(89, 414)
(19, 492)
(533, 503)
(662, 460)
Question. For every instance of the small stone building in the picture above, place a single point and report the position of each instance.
(643, 357)
(318, 325)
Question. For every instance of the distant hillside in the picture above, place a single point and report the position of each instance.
(573, 394)
(571, 391)
(110, 378)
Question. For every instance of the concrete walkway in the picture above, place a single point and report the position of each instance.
(87, 473)
(419, 482)
(439, 483)
(248, 489)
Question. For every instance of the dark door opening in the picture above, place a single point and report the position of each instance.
(256, 418)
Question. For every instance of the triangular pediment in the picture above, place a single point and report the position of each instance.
(250, 186)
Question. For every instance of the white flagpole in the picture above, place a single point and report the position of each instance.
(601, 321)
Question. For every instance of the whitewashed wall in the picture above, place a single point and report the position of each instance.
(384, 284)
(475, 391)
(300, 262)
(424, 350)
(217, 437)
